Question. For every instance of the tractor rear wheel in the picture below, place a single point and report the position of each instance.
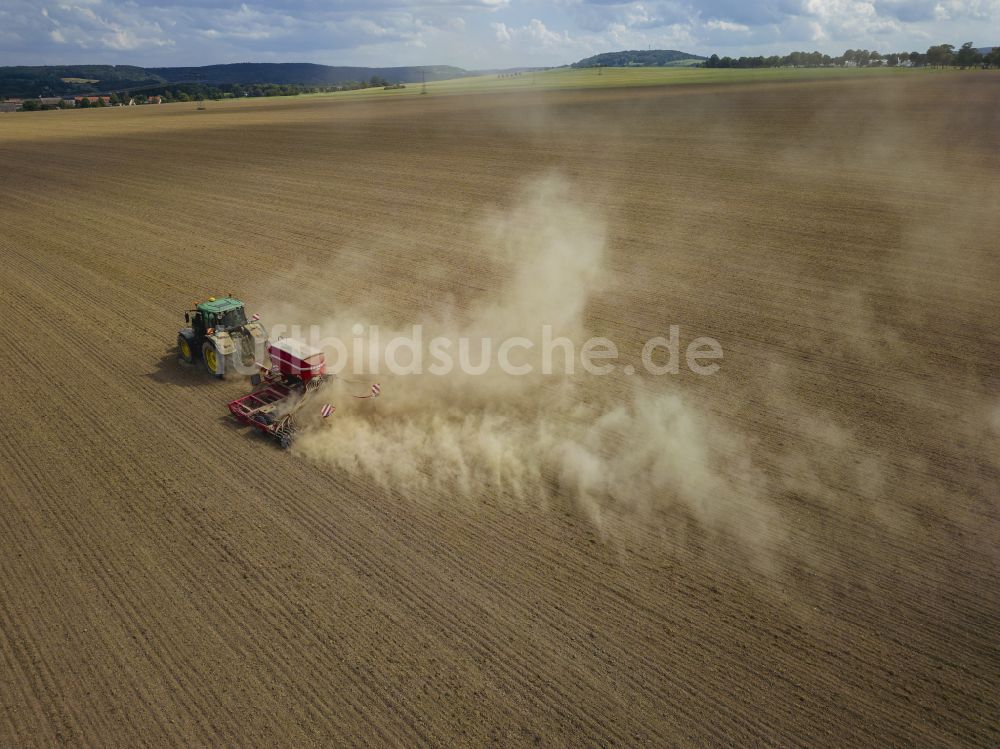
(213, 361)
(184, 352)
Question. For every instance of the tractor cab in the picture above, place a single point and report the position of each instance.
(219, 314)
(218, 329)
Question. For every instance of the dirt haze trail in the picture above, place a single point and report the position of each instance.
(800, 550)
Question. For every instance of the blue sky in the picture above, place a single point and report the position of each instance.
(468, 33)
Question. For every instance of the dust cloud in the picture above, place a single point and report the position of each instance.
(538, 437)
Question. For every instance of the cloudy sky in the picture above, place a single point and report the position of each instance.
(468, 33)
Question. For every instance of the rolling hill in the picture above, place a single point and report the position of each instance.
(639, 58)
(55, 80)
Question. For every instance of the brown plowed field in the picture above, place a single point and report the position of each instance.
(830, 578)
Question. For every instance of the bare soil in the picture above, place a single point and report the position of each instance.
(167, 579)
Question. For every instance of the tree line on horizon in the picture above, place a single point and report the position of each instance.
(939, 55)
(185, 92)
(214, 92)
(33, 82)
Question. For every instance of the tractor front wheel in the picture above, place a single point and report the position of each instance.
(184, 352)
(213, 362)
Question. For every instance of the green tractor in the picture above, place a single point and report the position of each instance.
(218, 331)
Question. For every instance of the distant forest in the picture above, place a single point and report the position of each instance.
(69, 80)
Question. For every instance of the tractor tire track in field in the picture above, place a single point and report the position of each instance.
(168, 579)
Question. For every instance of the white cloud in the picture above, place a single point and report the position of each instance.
(470, 33)
(502, 33)
(849, 18)
(541, 34)
(716, 25)
(535, 32)
(92, 26)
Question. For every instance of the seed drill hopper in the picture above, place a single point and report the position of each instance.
(282, 389)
